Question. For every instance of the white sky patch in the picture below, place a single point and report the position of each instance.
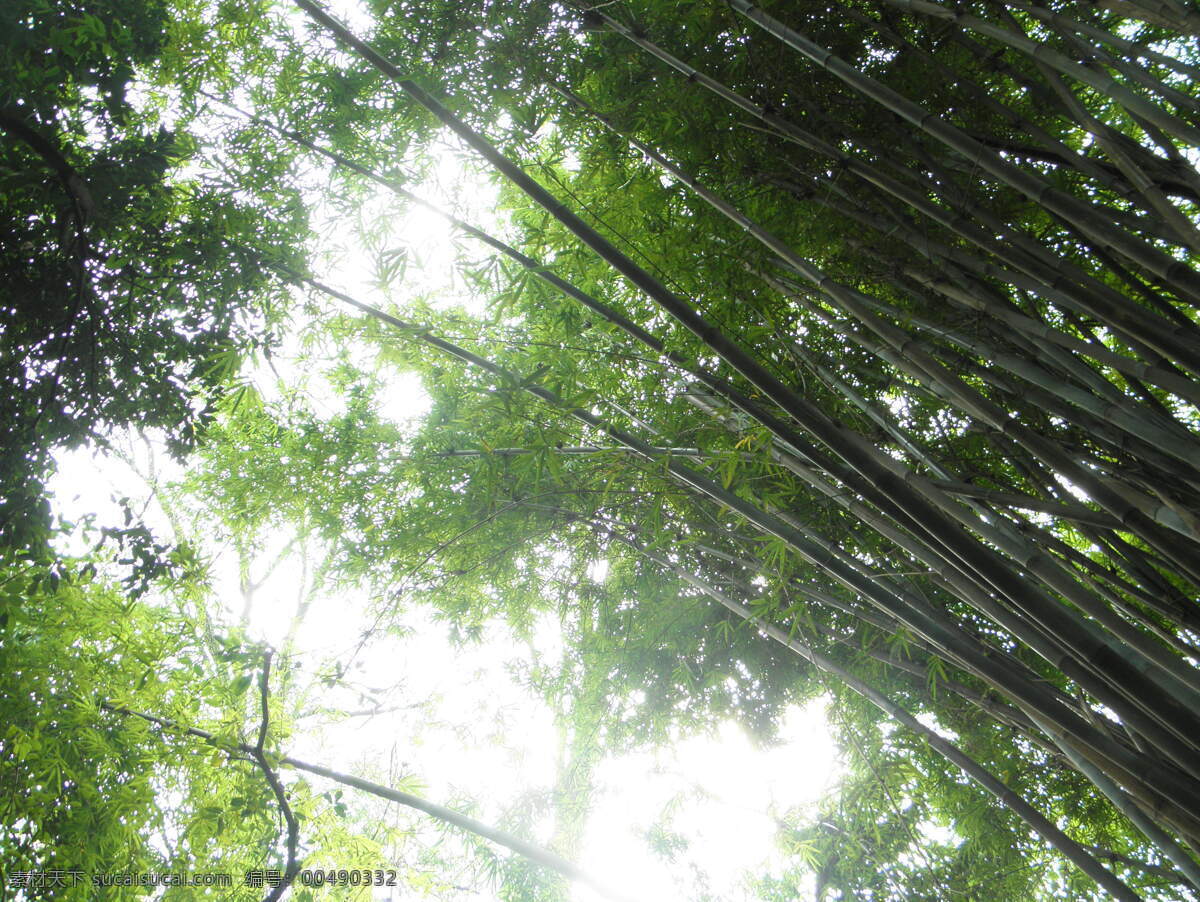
(466, 730)
(725, 795)
(597, 571)
(89, 481)
(1075, 490)
(425, 249)
(402, 398)
(929, 719)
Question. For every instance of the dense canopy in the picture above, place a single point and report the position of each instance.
(839, 353)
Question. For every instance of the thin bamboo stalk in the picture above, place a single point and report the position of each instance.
(901, 362)
(1174, 674)
(1137, 429)
(1183, 228)
(969, 291)
(533, 266)
(1176, 16)
(1025, 265)
(1183, 388)
(1077, 513)
(857, 455)
(1082, 435)
(1131, 49)
(1183, 447)
(1095, 57)
(1135, 510)
(1019, 721)
(1009, 716)
(1051, 149)
(1056, 278)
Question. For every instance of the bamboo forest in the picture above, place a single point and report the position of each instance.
(600, 449)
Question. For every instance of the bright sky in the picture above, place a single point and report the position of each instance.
(465, 728)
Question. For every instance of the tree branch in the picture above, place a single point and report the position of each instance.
(536, 854)
(14, 123)
(260, 757)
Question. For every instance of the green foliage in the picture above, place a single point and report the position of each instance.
(131, 287)
(878, 421)
(83, 782)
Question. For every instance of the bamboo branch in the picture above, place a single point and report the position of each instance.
(1176, 853)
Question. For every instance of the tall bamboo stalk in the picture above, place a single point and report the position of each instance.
(1182, 445)
(1056, 278)
(1103, 670)
(921, 619)
(1048, 56)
